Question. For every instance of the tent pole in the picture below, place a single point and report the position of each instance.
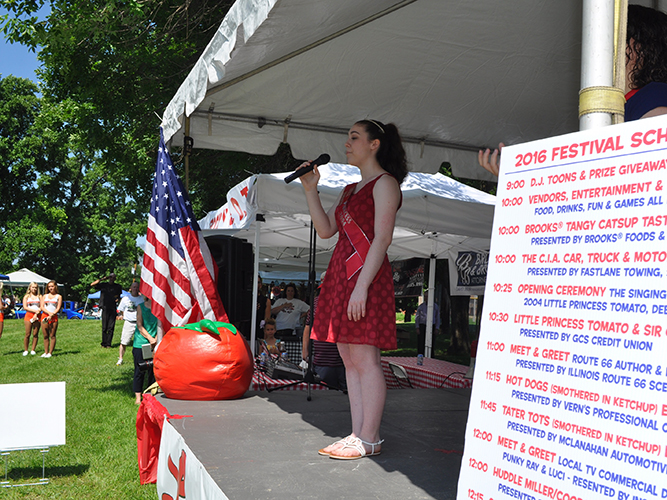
(597, 55)
(255, 290)
(428, 351)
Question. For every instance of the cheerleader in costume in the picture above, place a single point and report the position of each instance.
(51, 305)
(31, 305)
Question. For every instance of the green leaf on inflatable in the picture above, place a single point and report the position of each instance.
(209, 326)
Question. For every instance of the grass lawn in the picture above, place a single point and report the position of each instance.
(99, 460)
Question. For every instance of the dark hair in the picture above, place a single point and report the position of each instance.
(296, 292)
(390, 155)
(648, 28)
(270, 321)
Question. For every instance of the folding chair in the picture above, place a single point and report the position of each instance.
(400, 375)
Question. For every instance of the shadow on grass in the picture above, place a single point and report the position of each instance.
(119, 383)
(16, 353)
(35, 473)
(65, 353)
(39, 353)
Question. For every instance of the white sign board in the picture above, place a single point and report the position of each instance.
(570, 392)
(32, 415)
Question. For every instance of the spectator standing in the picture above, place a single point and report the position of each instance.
(145, 333)
(288, 311)
(109, 296)
(51, 304)
(32, 302)
(128, 306)
(420, 323)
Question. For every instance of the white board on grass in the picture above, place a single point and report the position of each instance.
(32, 415)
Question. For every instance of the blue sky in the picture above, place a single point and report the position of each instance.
(17, 60)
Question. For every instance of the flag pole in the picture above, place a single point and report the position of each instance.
(186, 153)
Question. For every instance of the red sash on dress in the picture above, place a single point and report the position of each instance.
(357, 237)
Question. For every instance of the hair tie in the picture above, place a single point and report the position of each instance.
(377, 125)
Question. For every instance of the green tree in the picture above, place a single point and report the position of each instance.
(82, 169)
(59, 216)
(24, 236)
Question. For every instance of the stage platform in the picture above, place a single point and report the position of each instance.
(264, 446)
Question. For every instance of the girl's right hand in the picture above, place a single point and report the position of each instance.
(310, 179)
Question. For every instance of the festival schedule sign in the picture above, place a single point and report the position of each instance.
(570, 392)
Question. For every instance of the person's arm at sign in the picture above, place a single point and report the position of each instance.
(489, 160)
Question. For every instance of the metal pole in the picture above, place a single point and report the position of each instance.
(597, 54)
(428, 348)
(255, 290)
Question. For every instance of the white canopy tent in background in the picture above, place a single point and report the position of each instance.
(438, 217)
(437, 214)
(23, 277)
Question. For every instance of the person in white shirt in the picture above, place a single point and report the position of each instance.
(128, 306)
(288, 311)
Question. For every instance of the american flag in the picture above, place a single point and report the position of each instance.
(178, 273)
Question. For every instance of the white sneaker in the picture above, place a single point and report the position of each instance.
(43, 355)
(25, 353)
(119, 362)
(32, 353)
(47, 355)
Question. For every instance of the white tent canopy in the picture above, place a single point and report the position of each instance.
(438, 214)
(453, 75)
(23, 277)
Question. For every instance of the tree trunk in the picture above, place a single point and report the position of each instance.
(442, 276)
(460, 336)
(480, 307)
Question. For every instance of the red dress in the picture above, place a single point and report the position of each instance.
(378, 327)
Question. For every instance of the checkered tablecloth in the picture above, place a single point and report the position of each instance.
(433, 374)
(261, 382)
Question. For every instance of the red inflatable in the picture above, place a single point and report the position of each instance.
(203, 361)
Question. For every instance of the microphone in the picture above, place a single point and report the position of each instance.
(323, 159)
